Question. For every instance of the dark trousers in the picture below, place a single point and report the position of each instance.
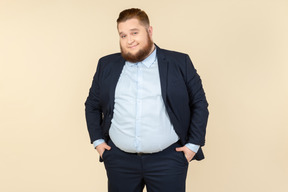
(164, 171)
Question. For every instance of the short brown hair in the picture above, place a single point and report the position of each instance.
(134, 13)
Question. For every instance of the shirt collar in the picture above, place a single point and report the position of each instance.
(148, 61)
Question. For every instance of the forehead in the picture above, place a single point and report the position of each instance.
(130, 25)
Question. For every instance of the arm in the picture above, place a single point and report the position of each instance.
(93, 109)
(198, 113)
(93, 112)
(198, 105)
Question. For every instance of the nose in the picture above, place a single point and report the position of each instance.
(130, 39)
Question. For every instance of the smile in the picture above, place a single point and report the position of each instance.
(131, 47)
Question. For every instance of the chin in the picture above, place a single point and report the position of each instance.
(133, 52)
(133, 49)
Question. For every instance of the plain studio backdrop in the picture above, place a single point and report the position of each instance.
(49, 50)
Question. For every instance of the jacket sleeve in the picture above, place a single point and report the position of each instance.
(198, 105)
(93, 110)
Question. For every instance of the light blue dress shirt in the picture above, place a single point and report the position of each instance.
(140, 121)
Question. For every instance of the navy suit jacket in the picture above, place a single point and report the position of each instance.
(181, 88)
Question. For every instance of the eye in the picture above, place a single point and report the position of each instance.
(123, 36)
(135, 33)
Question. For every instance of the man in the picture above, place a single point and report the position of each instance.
(146, 111)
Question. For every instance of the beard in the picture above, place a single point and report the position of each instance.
(140, 55)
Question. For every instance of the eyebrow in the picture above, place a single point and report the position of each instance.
(134, 29)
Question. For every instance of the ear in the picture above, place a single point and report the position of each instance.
(150, 31)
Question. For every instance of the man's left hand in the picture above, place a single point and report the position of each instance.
(187, 152)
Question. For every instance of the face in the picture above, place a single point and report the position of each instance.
(135, 40)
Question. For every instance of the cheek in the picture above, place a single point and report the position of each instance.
(143, 40)
(122, 44)
(122, 41)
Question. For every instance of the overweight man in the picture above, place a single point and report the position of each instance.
(146, 111)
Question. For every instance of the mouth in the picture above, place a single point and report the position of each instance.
(133, 46)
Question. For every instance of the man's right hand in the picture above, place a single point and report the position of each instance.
(101, 148)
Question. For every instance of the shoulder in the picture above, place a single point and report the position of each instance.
(172, 55)
(174, 58)
(171, 52)
(111, 58)
(110, 61)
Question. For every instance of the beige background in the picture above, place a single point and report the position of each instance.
(49, 52)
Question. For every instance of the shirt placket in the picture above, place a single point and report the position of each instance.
(139, 92)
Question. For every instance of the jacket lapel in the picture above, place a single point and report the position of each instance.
(163, 72)
(117, 69)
